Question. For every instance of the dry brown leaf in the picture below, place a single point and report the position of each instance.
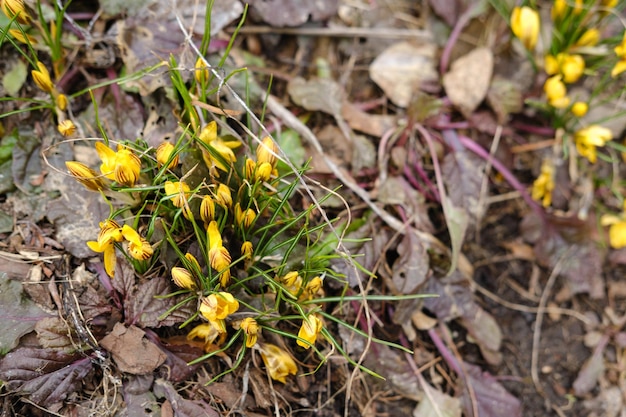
(476, 66)
(132, 352)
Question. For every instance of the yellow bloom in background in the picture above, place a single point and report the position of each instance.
(311, 326)
(250, 167)
(15, 8)
(163, 154)
(22, 37)
(544, 184)
(617, 229)
(61, 101)
(589, 138)
(591, 37)
(551, 65)
(183, 278)
(207, 209)
(138, 247)
(313, 286)
(41, 77)
(244, 218)
(208, 135)
(67, 128)
(251, 328)
(292, 282)
(278, 362)
(572, 67)
(122, 166)
(246, 249)
(556, 92)
(180, 190)
(208, 332)
(620, 51)
(263, 172)
(559, 8)
(218, 306)
(267, 151)
(85, 175)
(201, 73)
(223, 196)
(580, 108)
(525, 26)
(619, 67)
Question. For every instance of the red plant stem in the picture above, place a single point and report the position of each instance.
(445, 353)
(537, 130)
(456, 32)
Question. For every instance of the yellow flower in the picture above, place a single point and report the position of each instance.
(251, 328)
(525, 25)
(67, 128)
(559, 8)
(263, 172)
(556, 92)
(314, 286)
(311, 326)
(138, 247)
(591, 37)
(215, 237)
(61, 101)
(278, 362)
(122, 166)
(202, 72)
(220, 259)
(217, 146)
(544, 184)
(41, 77)
(183, 278)
(267, 152)
(223, 196)
(246, 249)
(619, 67)
(180, 190)
(207, 209)
(194, 262)
(292, 282)
(620, 51)
(15, 8)
(244, 218)
(587, 139)
(218, 306)
(250, 167)
(208, 332)
(164, 153)
(579, 108)
(85, 175)
(21, 37)
(110, 232)
(572, 67)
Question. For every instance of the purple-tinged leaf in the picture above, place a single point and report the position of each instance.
(492, 399)
(53, 332)
(463, 173)
(139, 400)
(592, 369)
(47, 376)
(411, 268)
(178, 356)
(181, 406)
(19, 314)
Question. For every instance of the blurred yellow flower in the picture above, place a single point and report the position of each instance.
(67, 128)
(21, 37)
(617, 229)
(15, 8)
(246, 249)
(251, 328)
(61, 101)
(591, 37)
(267, 152)
(559, 8)
(138, 247)
(313, 286)
(556, 92)
(164, 153)
(278, 362)
(590, 137)
(218, 306)
(311, 326)
(122, 166)
(263, 172)
(201, 73)
(183, 278)
(85, 175)
(570, 66)
(525, 26)
(620, 51)
(180, 190)
(544, 184)
(208, 332)
(41, 77)
(580, 108)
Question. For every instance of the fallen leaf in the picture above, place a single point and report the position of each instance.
(280, 13)
(19, 314)
(403, 68)
(14, 76)
(411, 268)
(47, 376)
(392, 365)
(437, 404)
(147, 303)
(591, 371)
(462, 173)
(54, 333)
(476, 66)
(457, 221)
(181, 406)
(370, 124)
(138, 398)
(132, 352)
(504, 97)
(492, 399)
(317, 94)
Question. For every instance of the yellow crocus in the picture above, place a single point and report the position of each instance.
(183, 278)
(589, 138)
(85, 175)
(591, 37)
(110, 232)
(278, 362)
(22, 37)
(207, 209)
(572, 67)
(525, 26)
(580, 108)
(267, 151)
(164, 154)
(208, 332)
(41, 77)
(122, 166)
(208, 136)
(620, 51)
(218, 306)
(67, 128)
(138, 247)
(15, 8)
(244, 218)
(179, 191)
(223, 197)
(61, 101)
(219, 259)
(246, 249)
(559, 8)
(195, 265)
(544, 184)
(292, 282)
(556, 92)
(311, 326)
(251, 329)
(201, 72)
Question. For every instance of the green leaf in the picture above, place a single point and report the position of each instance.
(14, 78)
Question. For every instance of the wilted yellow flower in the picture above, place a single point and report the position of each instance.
(22, 37)
(311, 326)
(223, 196)
(138, 247)
(180, 190)
(246, 249)
(61, 101)
(525, 25)
(183, 278)
(122, 166)
(208, 332)
(278, 362)
(589, 138)
(202, 72)
(110, 232)
(556, 92)
(267, 152)
(251, 328)
(208, 135)
(15, 8)
(163, 154)
(85, 175)
(41, 77)
(591, 37)
(67, 128)
(579, 108)
(207, 209)
(544, 184)
(244, 218)
(218, 306)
